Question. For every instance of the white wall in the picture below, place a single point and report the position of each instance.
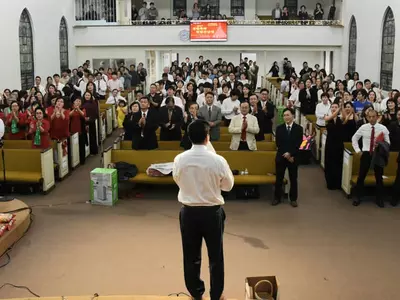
(45, 17)
(322, 36)
(370, 37)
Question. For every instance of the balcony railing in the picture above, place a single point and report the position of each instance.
(168, 22)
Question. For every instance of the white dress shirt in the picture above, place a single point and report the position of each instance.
(115, 100)
(203, 81)
(227, 108)
(115, 85)
(364, 132)
(41, 89)
(227, 79)
(81, 86)
(178, 102)
(321, 111)
(201, 100)
(60, 87)
(201, 174)
(101, 87)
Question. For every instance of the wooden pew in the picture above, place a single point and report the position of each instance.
(109, 111)
(29, 166)
(351, 166)
(62, 164)
(259, 173)
(318, 141)
(175, 145)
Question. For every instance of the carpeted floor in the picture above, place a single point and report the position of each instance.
(325, 249)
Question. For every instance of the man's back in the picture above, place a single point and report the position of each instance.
(201, 175)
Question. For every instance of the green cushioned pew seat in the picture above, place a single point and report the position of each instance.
(259, 173)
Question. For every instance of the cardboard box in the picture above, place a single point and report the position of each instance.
(104, 186)
(262, 289)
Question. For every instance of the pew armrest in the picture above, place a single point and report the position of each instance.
(117, 143)
(107, 157)
(47, 161)
(347, 171)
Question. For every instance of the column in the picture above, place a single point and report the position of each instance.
(250, 9)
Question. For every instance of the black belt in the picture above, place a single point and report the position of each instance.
(202, 207)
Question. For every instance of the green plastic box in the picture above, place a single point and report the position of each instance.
(104, 186)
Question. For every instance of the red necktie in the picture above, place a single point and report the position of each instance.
(372, 143)
(243, 135)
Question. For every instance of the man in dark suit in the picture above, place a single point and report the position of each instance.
(289, 137)
(154, 98)
(171, 119)
(145, 123)
(267, 107)
(165, 81)
(257, 111)
(212, 114)
(394, 130)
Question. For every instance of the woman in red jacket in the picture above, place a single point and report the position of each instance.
(59, 121)
(39, 128)
(16, 122)
(78, 125)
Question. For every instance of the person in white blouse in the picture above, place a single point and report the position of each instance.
(243, 128)
(170, 77)
(115, 97)
(178, 101)
(204, 78)
(225, 77)
(202, 215)
(322, 110)
(114, 83)
(101, 86)
(230, 107)
(369, 133)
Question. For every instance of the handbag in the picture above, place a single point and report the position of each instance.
(264, 295)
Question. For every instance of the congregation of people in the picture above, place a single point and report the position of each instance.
(220, 93)
(351, 111)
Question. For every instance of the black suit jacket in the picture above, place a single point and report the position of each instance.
(149, 139)
(157, 98)
(167, 134)
(260, 115)
(268, 116)
(186, 143)
(308, 105)
(288, 143)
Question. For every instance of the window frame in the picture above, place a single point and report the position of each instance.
(236, 9)
(64, 44)
(352, 59)
(388, 50)
(26, 51)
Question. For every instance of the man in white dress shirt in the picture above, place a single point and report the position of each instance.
(38, 85)
(230, 107)
(101, 86)
(322, 110)
(178, 101)
(204, 78)
(369, 133)
(202, 215)
(115, 97)
(201, 99)
(243, 128)
(59, 86)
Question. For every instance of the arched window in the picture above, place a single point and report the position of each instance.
(352, 46)
(387, 54)
(26, 51)
(64, 63)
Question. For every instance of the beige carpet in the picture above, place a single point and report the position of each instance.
(325, 249)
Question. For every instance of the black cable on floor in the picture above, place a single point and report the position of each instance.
(20, 287)
(179, 294)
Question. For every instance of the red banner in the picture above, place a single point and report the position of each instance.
(208, 31)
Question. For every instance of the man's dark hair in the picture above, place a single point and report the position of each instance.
(289, 110)
(56, 75)
(325, 95)
(209, 93)
(235, 92)
(264, 90)
(198, 131)
(366, 81)
(114, 73)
